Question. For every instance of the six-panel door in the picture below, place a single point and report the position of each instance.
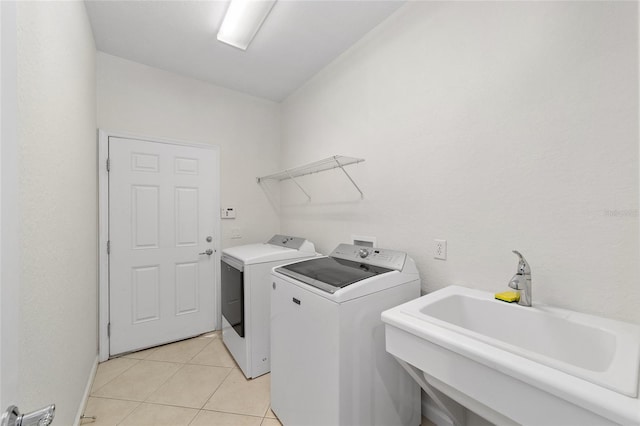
(161, 213)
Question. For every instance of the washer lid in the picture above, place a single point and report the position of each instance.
(329, 273)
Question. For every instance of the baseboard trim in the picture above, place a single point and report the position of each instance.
(87, 392)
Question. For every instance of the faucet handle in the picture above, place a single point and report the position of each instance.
(523, 265)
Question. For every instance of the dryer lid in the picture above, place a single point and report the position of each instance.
(279, 247)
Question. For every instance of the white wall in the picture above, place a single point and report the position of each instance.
(9, 212)
(495, 126)
(56, 98)
(142, 100)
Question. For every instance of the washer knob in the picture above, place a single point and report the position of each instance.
(363, 253)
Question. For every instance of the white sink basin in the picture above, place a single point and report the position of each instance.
(567, 354)
(594, 349)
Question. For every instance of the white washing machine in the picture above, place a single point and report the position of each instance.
(245, 286)
(329, 365)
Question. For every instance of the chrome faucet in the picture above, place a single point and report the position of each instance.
(41, 417)
(522, 281)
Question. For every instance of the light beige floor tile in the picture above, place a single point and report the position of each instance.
(214, 354)
(241, 396)
(140, 354)
(108, 412)
(139, 381)
(111, 369)
(270, 422)
(270, 414)
(191, 386)
(178, 352)
(159, 415)
(209, 418)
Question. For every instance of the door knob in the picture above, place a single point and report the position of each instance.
(208, 252)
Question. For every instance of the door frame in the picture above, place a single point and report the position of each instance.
(103, 230)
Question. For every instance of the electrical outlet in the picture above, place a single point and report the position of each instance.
(440, 249)
(236, 233)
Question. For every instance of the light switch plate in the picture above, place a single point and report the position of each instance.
(228, 213)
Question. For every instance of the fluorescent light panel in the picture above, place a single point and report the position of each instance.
(243, 20)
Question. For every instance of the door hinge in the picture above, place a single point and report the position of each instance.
(108, 164)
(109, 330)
(109, 247)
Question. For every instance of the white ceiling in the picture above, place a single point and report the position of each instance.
(296, 41)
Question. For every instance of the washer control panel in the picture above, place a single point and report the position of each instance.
(385, 258)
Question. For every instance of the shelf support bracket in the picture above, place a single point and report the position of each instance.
(298, 185)
(350, 178)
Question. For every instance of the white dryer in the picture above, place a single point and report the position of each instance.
(245, 286)
(329, 365)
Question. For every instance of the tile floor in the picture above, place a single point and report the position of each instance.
(194, 382)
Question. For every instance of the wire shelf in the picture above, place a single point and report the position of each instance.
(333, 162)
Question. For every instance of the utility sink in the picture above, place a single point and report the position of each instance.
(544, 360)
(598, 350)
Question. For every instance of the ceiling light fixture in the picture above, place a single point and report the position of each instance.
(243, 20)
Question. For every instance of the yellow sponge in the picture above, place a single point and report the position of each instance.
(508, 296)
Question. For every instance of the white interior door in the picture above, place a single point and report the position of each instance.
(162, 219)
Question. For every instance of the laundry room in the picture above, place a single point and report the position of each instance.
(452, 151)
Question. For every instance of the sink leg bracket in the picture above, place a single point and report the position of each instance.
(434, 394)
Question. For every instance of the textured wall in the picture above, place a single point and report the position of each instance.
(9, 211)
(57, 173)
(495, 126)
(146, 101)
